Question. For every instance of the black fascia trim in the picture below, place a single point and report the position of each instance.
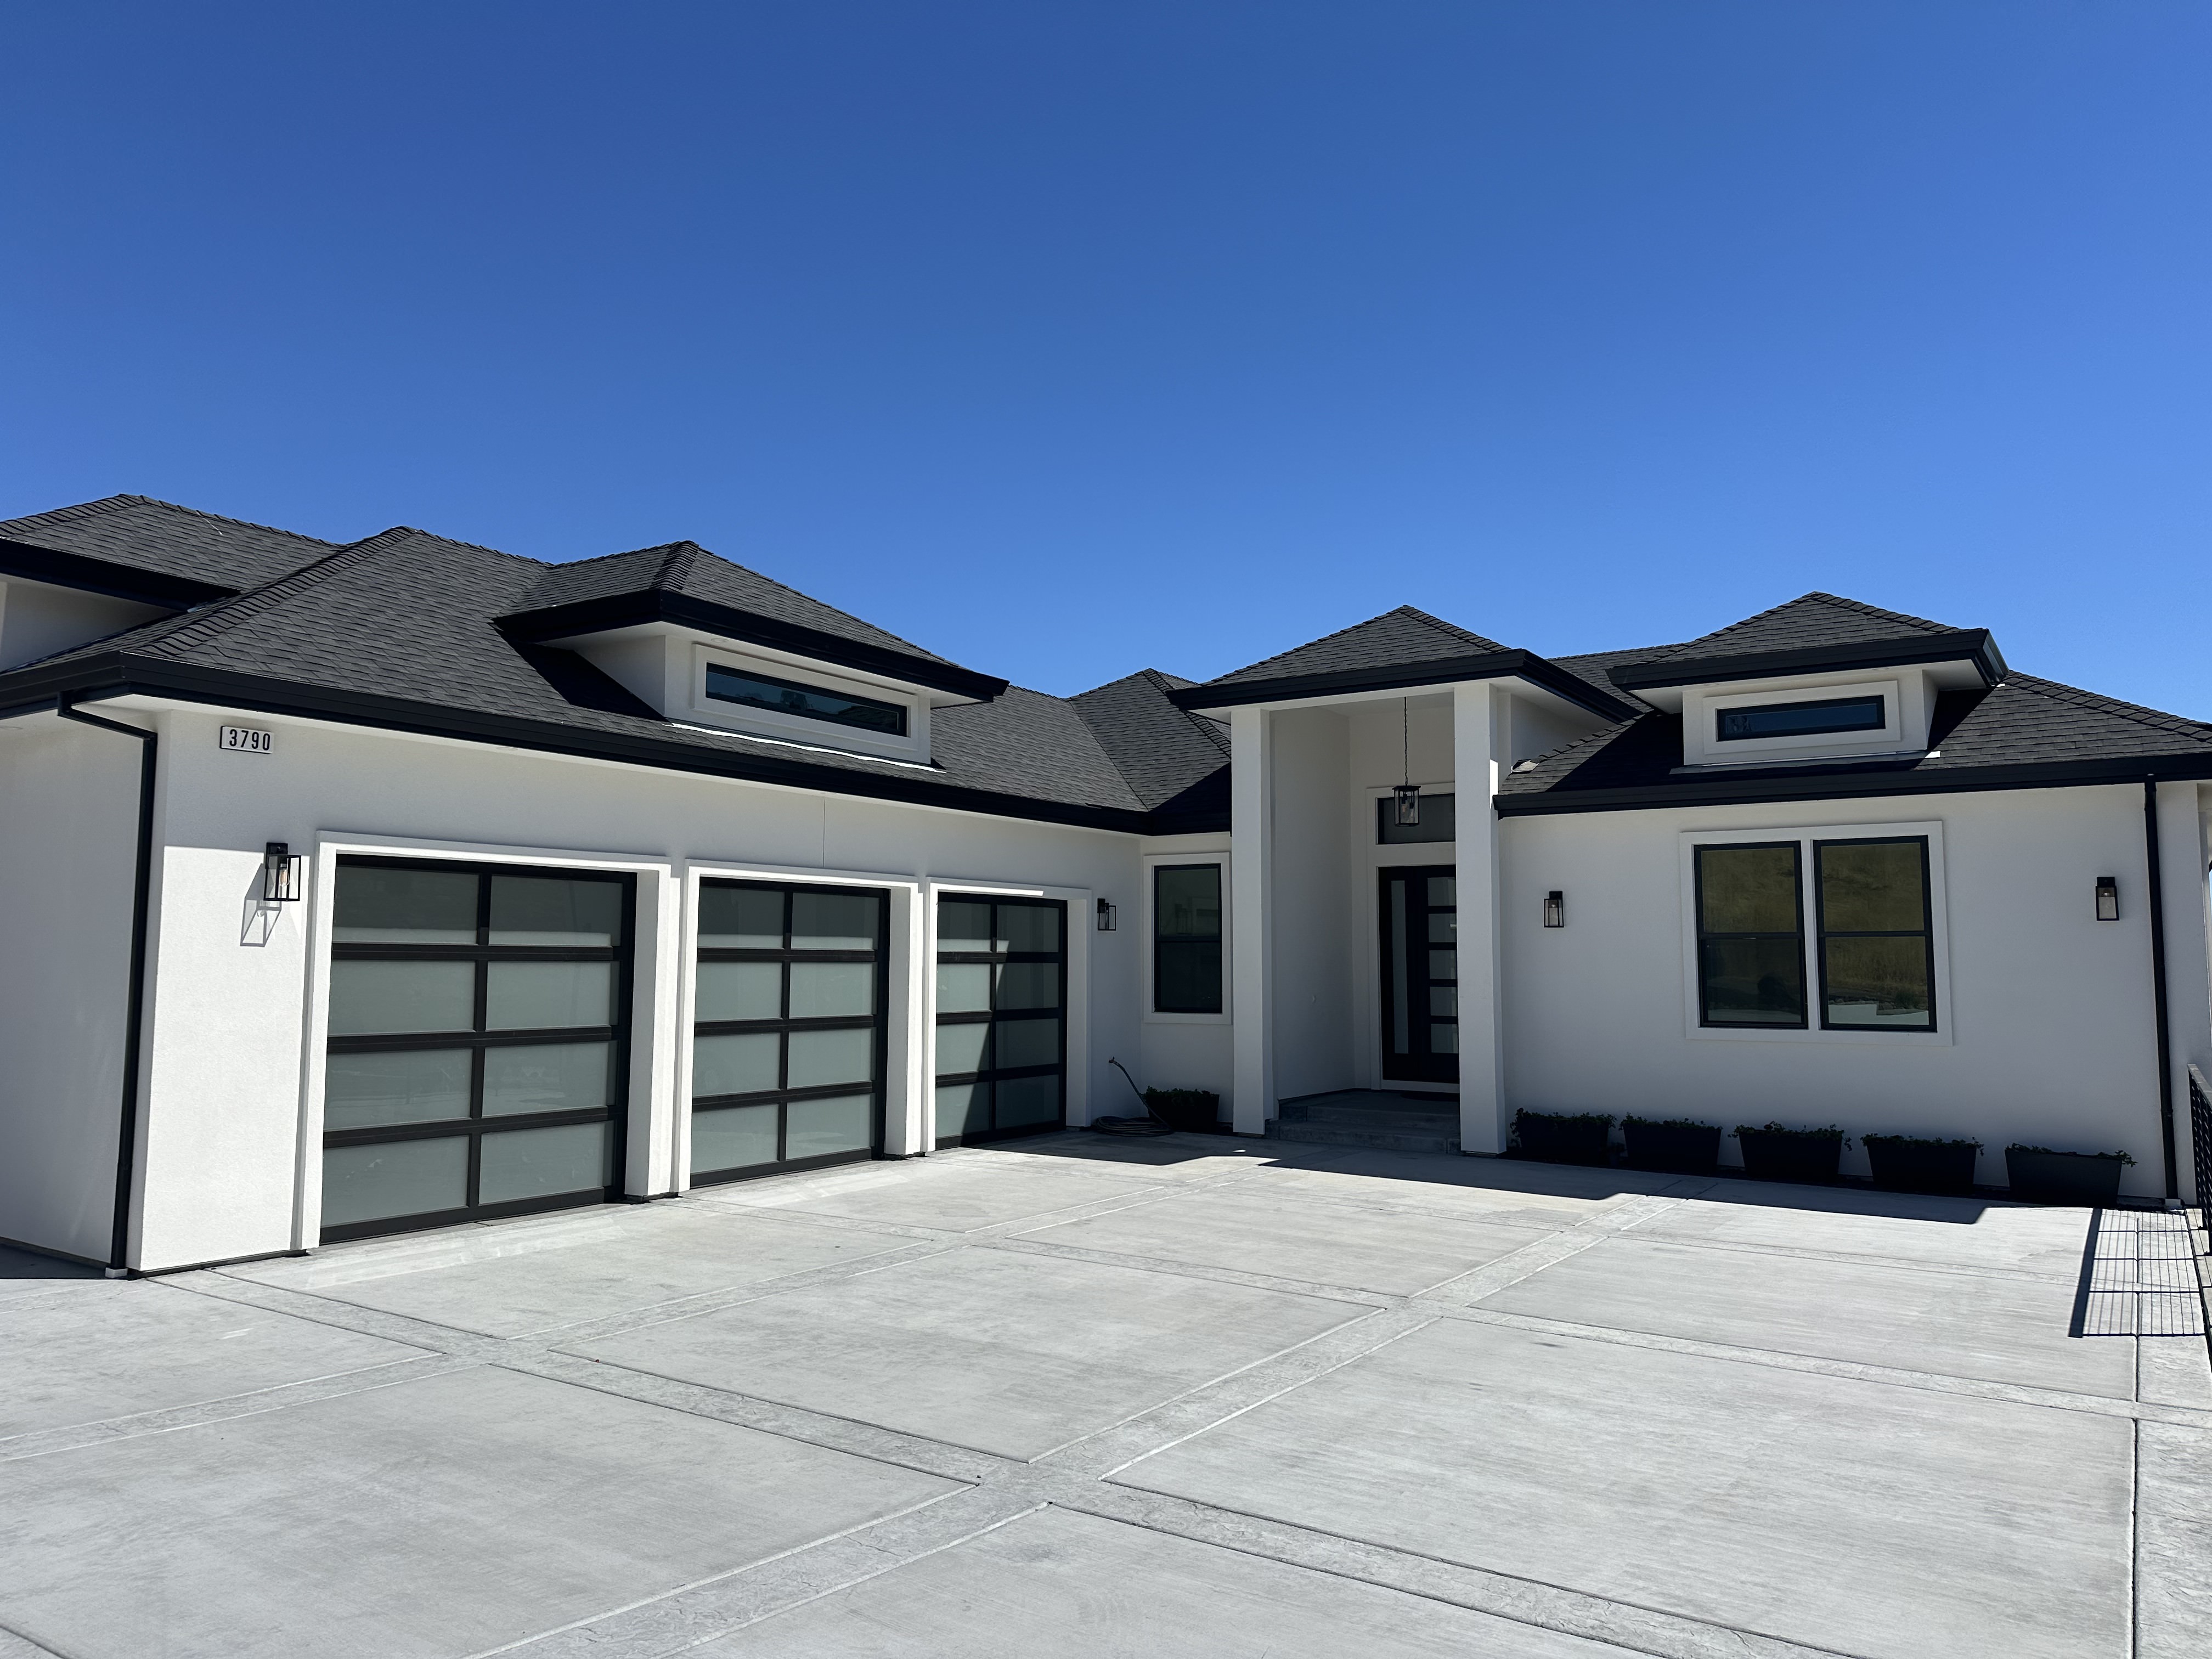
(1437, 671)
(114, 581)
(1971, 645)
(657, 604)
(113, 674)
(2047, 774)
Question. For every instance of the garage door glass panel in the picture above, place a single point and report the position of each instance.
(549, 910)
(819, 1128)
(548, 1077)
(738, 990)
(571, 1158)
(539, 996)
(375, 997)
(364, 1090)
(477, 1044)
(734, 1137)
(392, 1179)
(788, 1029)
(1001, 1045)
(386, 905)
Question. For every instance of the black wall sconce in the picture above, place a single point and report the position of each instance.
(280, 874)
(1109, 916)
(1408, 795)
(2108, 899)
(1555, 908)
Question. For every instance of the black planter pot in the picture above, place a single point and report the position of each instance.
(1555, 1140)
(2063, 1177)
(1190, 1110)
(1674, 1148)
(1918, 1166)
(1772, 1155)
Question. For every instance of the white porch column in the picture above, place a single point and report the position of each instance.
(2184, 837)
(1251, 833)
(1475, 708)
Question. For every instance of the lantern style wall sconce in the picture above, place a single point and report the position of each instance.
(1407, 797)
(1555, 908)
(280, 874)
(1109, 916)
(2108, 899)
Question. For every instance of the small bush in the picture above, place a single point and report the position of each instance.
(1916, 1140)
(1831, 1133)
(2018, 1147)
(1519, 1118)
(1664, 1123)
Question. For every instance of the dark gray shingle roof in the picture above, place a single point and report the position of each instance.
(1175, 761)
(1393, 640)
(140, 533)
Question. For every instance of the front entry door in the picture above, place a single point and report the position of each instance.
(1420, 974)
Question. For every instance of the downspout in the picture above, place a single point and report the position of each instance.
(126, 1141)
(2158, 988)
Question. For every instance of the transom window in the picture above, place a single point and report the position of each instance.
(812, 703)
(1801, 719)
(1186, 939)
(1872, 951)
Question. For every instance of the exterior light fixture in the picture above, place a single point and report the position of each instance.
(1555, 908)
(1109, 916)
(1408, 795)
(2108, 899)
(280, 874)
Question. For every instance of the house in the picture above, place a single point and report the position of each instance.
(354, 888)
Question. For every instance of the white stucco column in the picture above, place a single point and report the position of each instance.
(2183, 850)
(1251, 833)
(1476, 706)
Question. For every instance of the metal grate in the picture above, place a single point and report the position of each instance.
(2139, 1279)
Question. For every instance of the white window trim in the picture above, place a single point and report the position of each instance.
(1157, 861)
(722, 716)
(1903, 713)
(1943, 1035)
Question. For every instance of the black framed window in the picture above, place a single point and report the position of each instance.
(1001, 1017)
(1801, 719)
(478, 1042)
(1751, 934)
(787, 1028)
(1186, 939)
(812, 702)
(1877, 947)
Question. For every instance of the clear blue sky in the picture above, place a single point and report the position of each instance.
(1067, 339)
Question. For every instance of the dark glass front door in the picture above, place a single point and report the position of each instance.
(1420, 974)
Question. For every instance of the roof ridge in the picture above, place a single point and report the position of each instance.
(450, 541)
(676, 570)
(1452, 628)
(1685, 650)
(799, 593)
(2157, 719)
(1927, 625)
(110, 503)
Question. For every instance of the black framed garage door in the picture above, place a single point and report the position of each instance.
(788, 1028)
(1001, 1018)
(479, 1051)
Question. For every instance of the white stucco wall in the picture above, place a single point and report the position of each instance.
(1310, 923)
(69, 822)
(232, 1117)
(2048, 1036)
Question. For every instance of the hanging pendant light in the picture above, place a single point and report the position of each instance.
(1409, 793)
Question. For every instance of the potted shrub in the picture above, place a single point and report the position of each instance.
(1564, 1136)
(1922, 1164)
(1677, 1145)
(1191, 1110)
(2041, 1175)
(1779, 1153)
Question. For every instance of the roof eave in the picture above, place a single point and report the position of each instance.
(1440, 671)
(660, 606)
(103, 576)
(1970, 645)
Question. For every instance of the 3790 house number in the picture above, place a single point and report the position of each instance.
(244, 740)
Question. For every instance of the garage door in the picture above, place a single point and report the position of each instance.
(788, 1039)
(1001, 1029)
(478, 1044)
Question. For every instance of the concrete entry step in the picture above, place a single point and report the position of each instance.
(1378, 1118)
(1386, 1140)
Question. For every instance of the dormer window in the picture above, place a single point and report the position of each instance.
(1801, 719)
(809, 703)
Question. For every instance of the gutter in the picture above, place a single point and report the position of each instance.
(126, 1139)
(2158, 989)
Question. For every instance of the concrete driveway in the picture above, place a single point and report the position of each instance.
(1184, 1397)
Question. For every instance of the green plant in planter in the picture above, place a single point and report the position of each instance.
(1675, 1145)
(1564, 1137)
(2126, 1163)
(1185, 1109)
(1776, 1152)
(1922, 1163)
(2044, 1175)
